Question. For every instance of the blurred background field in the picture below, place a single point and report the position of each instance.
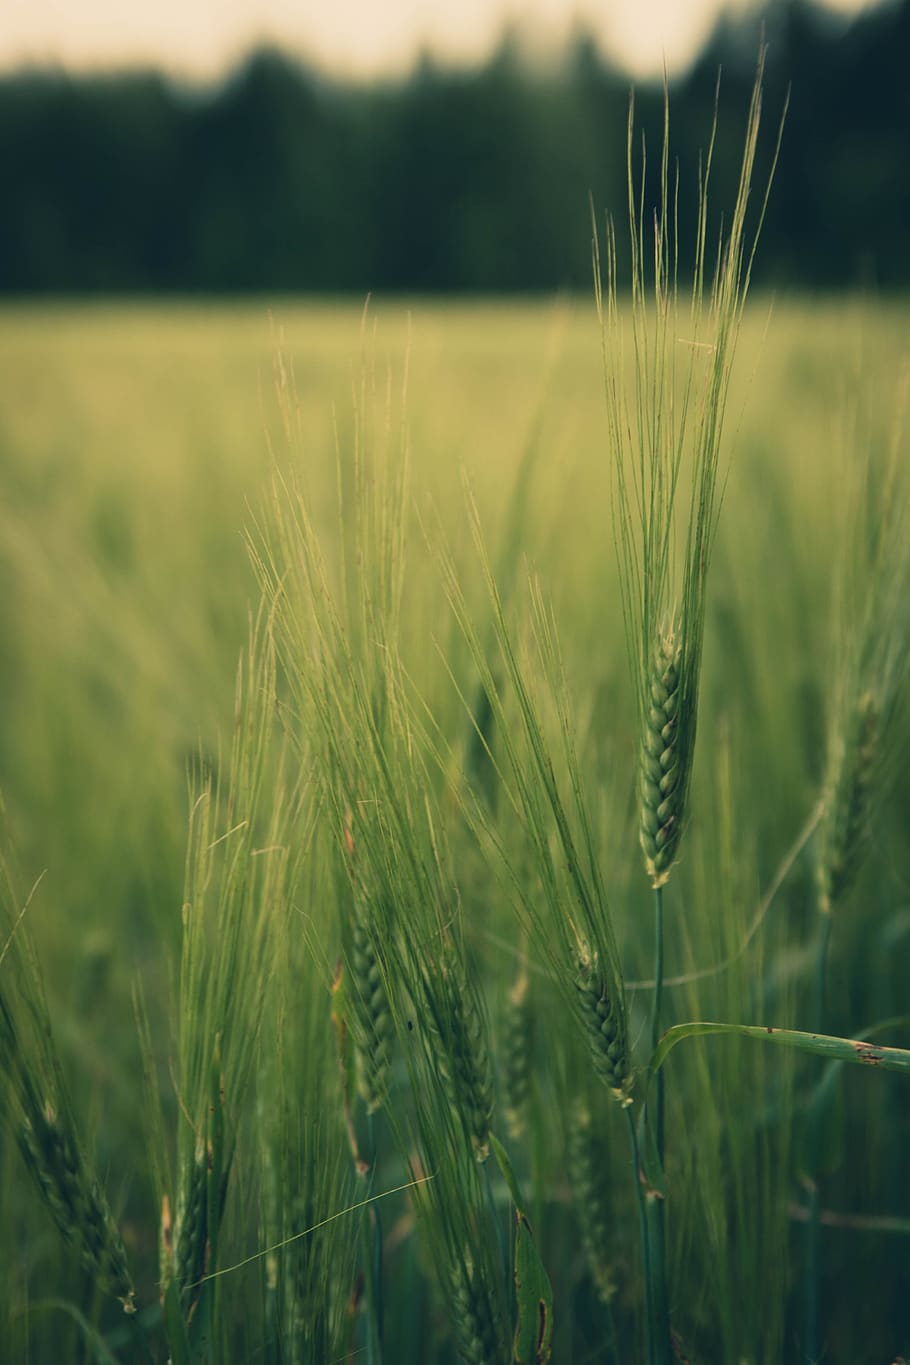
(138, 441)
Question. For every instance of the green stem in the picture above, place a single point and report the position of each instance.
(654, 1203)
(373, 1260)
(813, 1225)
(643, 1230)
(660, 1316)
(656, 1002)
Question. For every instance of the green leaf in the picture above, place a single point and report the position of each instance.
(533, 1342)
(821, 1044)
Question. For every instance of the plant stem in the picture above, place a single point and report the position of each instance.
(660, 1316)
(654, 1204)
(813, 1225)
(656, 1002)
(373, 1260)
(643, 1230)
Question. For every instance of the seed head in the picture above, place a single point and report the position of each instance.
(373, 1023)
(517, 1026)
(587, 1176)
(662, 767)
(463, 1060)
(475, 1323)
(75, 1199)
(850, 791)
(603, 1018)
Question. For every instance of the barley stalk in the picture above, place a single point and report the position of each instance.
(850, 792)
(587, 1167)
(517, 1028)
(463, 1061)
(603, 1020)
(191, 1233)
(75, 1199)
(374, 1028)
(472, 1314)
(663, 763)
(47, 1138)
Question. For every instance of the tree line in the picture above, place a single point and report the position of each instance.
(280, 178)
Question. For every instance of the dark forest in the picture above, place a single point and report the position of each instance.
(279, 178)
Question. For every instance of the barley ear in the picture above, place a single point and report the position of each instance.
(191, 1233)
(587, 1173)
(373, 1026)
(473, 1316)
(602, 1015)
(463, 1060)
(517, 1027)
(75, 1199)
(850, 792)
(662, 774)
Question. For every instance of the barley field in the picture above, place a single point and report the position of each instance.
(349, 764)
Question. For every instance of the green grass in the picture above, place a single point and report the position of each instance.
(214, 1004)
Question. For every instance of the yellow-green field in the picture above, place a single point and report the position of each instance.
(139, 447)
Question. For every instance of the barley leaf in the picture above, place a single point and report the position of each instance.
(533, 1342)
(822, 1044)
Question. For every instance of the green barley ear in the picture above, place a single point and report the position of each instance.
(668, 355)
(372, 1024)
(52, 1155)
(602, 1014)
(517, 1041)
(587, 1176)
(38, 1111)
(850, 789)
(460, 1052)
(473, 1313)
(188, 1246)
(663, 763)
(191, 1233)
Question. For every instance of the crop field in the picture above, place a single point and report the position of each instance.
(350, 779)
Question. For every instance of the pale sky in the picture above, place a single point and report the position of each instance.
(201, 38)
